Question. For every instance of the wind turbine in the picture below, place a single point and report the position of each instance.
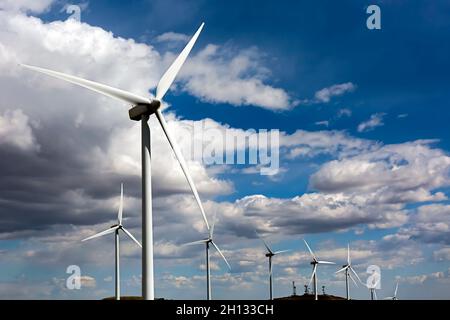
(142, 109)
(209, 242)
(348, 268)
(270, 254)
(394, 297)
(315, 263)
(115, 229)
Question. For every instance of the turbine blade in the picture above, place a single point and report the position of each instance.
(131, 236)
(325, 262)
(94, 86)
(281, 251)
(265, 243)
(211, 233)
(350, 275)
(119, 215)
(168, 77)
(356, 275)
(312, 275)
(220, 252)
(349, 262)
(310, 251)
(195, 242)
(100, 234)
(340, 270)
(396, 289)
(375, 294)
(182, 163)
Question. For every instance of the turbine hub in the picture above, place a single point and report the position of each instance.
(140, 110)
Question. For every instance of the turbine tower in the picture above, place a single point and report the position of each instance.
(115, 229)
(270, 254)
(394, 297)
(315, 263)
(142, 109)
(348, 268)
(209, 242)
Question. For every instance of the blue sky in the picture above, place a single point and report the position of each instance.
(357, 114)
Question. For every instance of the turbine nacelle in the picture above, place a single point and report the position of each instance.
(137, 112)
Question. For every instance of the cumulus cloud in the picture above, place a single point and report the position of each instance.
(15, 130)
(431, 225)
(399, 173)
(34, 6)
(238, 80)
(309, 144)
(376, 120)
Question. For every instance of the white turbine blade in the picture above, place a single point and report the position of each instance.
(100, 234)
(356, 275)
(350, 275)
(343, 269)
(375, 294)
(211, 232)
(119, 215)
(312, 275)
(310, 251)
(220, 252)
(265, 243)
(281, 251)
(128, 233)
(325, 262)
(396, 289)
(349, 262)
(168, 77)
(182, 163)
(195, 242)
(94, 86)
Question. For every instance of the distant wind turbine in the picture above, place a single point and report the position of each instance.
(115, 229)
(348, 268)
(394, 297)
(315, 263)
(270, 254)
(142, 109)
(209, 242)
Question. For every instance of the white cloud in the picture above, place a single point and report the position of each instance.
(376, 120)
(238, 80)
(431, 224)
(397, 173)
(15, 130)
(324, 123)
(172, 37)
(442, 254)
(35, 6)
(324, 95)
(339, 144)
(344, 113)
(439, 276)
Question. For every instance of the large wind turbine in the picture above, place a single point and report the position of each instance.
(115, 229)
(394, 297)
(270, 254)
(142, 109)
(315, 262)
(348, 268)
(209, 242)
